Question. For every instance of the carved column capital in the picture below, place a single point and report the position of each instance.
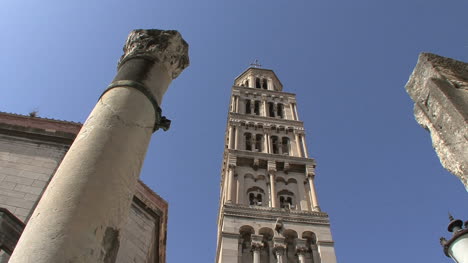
(302, 250)
(279, 249)
(163, 46)
(257, 246)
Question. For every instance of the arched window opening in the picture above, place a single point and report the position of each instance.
(275, 144)
(257, 83)
(258, 142)
(247, 107)
(257, 107)
(256, 196)
(285, 145)
(248, 141)
(286, 199)
(247, 83)
(271, 109)
(280, 110)
(245, 239)
(265, 84)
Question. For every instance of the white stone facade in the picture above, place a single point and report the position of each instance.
(268, 206)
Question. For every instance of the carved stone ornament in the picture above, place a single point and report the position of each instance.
(163, 46)
(257, 245)
(279, 249)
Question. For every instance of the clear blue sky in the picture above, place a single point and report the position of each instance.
(348, 62)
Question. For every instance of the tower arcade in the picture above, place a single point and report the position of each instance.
(269, 211)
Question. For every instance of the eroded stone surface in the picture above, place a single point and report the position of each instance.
(164, 46)
(439, 89)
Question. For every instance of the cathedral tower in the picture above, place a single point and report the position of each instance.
(269, 210)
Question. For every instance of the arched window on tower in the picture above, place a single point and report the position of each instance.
(256, 196)
(285, 145)
(248, 141)
(258, 142)
(265, 84)
(275, 144)
(247, 83)
(257, 83)
(247, 106)
(286, 199)
(257, 107)
(271, 109)
(280, 110)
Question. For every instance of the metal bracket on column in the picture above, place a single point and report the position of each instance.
(161, 122)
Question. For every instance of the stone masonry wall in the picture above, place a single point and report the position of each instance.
(26, 167)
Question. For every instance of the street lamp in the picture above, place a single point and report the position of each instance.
(457, 246)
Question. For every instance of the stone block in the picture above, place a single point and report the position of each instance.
(19, 180)
(439, 89)
(28, 189)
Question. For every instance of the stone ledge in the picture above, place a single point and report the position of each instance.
(272, 214)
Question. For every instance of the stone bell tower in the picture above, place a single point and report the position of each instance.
(269, 210)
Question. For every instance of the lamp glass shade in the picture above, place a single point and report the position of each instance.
(458, 250)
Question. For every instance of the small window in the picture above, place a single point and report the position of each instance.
(280, 110)
(274, 142)
(265, 84)
(257, 107)
(257, 83)
(247, 107)
(248, 141)
(285, 145)
(271, 109)
(256, 196)
(258, 142)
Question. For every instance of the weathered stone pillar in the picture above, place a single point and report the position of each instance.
(237, 104)
(298, 144)
(313, 194)
(257, 246)
(236, 137)
(304, 146)
(231, 136)
(301, 250)
(80, 215)
(279, 249)
(230, 182)
(271, 171)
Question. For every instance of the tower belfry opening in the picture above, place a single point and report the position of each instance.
(269, 211)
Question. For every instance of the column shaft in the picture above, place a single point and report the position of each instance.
(256, 256)
(236, 138)
(298, 145)
(313, 194)
(237, 104)
(304, 146)
(230, 183)
(301, 258)
(273, 190)
(265, 113)
(230, 137)
(80, 215)
(295, 111)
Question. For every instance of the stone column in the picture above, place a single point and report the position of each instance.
(273, 189)
(257, 246)
(80, 215)
(270, 84)
(304, 146)
(236, 139)
(230, 182)
(295, 112)
(231, 137)
(279, 249)
(240, 189)
(298, 144)
(301, 250)
(237, 104)
(264, 103)
(313, 194)
(252, 81)
(302, 200)
(266, 144)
